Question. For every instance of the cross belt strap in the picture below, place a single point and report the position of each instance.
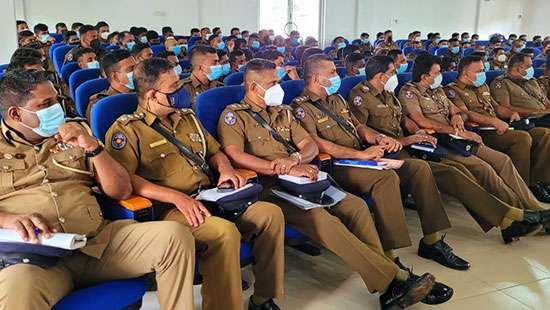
(198, 160)
(259, 119)
(341, 122)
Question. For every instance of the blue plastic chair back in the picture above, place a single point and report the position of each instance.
(537, 63)
(440, 51)
(348, 84)
(410, 64)
(107, 110)
(58, 37)
(157, 49)
(112, 47)
(341, 72)
(235, 78)
(407, 50)
(536, 51)
(53, 47)
(67, 70)
(468, 51)
(432, 50)
(328, 49)
(3, 67)
(211, 103)
(400, 43)
(59, 56)
(185, 64)
(482, 42)
(492, 74)
(293, 89)
(403, 79)
(80, 76)
(539, 72)
(448, 77)
(85, 91)
(183, 76)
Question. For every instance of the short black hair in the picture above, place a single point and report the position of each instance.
(68, 34)
(139, 47)
(18, 63)
(496, 49)
(364, 34)
(271, 55)
(234, 54)
(112, 35)
(20, 22)
(221, 53)
(60, 24)
(312, 63)
(147, 73)
(258, 65)
(528, 50)
(152, 35)
(395, 53)
(233, 29)
(109, 62)
(201, 50)
(16, 87)
(478, 54)
(86, 28)
(465, 62)
(377, 64)
(24, 34)
(193, 30)
(516, 60)
(78, 52)
(165, 54)
(76, 25)
(423, 64)
(308, 52)
(40, 27)
(352, 58)
(101, 24)
(166, 29)
(215, 29)
(25, 52)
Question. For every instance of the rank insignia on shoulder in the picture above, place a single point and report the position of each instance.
(230, 118)
(498, 84)
(365, 89)
(300, 113)
(118, 141)
(409, 94)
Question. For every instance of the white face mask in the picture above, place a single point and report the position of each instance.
(104, 35)
(391, 83)
(501, 58)
(274, 95)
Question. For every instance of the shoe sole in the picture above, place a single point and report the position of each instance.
(418, 292)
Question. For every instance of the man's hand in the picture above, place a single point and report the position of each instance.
(390, 144)
(28, 226)
(292, 73)
(283, 165)
(458, 123)
(230, 45)
(374, 152)
(501, 127)
(230, 175)
(309, 171)
(515, 117)
(420, 138)
(192, 209)
(76, 135)
(472, 136)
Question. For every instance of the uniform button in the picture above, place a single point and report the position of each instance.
(162, 155)
(259, 137)
(45, 181)
(6, 167)
(41, 167)
(61, 220)
(8, 156)
(36, 148)
(54, 194)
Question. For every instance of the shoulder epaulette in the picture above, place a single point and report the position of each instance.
(185, 111)
(76, 119)
(126, 118)
(301, 99)
(365, 88)
(238, 106)
(452, 84)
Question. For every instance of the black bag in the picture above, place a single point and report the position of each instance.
(426, 151)
(231, 207)
(523, 124)
(543, 121)
(462, 146)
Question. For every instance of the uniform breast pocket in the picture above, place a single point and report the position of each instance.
(162, 161)
(257, 136)
(381, 112)
(429, 106)
(326, 129)
(71, 162)
(10, 169)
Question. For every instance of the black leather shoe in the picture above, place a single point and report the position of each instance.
(545, 219)
(520, 229)
(439, 293)
(268, 305)
(541, 193)
(401, 294)
(442, 253)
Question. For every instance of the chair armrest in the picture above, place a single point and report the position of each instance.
(471, 124)
(135, 208)
(135, 203)
(249, 175)
(324, 161)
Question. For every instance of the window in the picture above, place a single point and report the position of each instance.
(285, 15)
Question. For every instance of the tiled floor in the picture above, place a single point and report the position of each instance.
(515, 277)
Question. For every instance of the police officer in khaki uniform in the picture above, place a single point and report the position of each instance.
(544, 80)
(117, 66)
(205, 73)
(161, 173)
(374, 104)
(470, 94)
(427, 105)
(518, 90)
(46, 185)
(346, 229)
(320, 92)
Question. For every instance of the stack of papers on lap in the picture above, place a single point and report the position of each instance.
(369, 164)
(58, 240)
(336, 194)
(423, 147)
(213, 194)
(321, 175)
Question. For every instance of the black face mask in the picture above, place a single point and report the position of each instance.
(95, 44)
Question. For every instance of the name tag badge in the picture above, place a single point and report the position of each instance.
(381, 106)
(158, 143)
(322, 120)
(195, 137)
(485, 93)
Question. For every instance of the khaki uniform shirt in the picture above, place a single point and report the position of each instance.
(379, 110)
(520, 93)
(323, 126)
(36, 179)
(194, 87)
(95, 98)
(432, 103)
(544, 82)
(237, 127)
(475, 99)
(145, 152)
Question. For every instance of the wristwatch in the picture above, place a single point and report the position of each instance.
(95, 152)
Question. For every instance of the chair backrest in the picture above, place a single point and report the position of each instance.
(440, 51)
(112, 47)
(183, 76)
(157, 48)
(106, 111)
(468, 51)
(356, 42)
(85, 91)
(185, 64)
(348, 84)
(211, 103)
(536, 51)
(483, 42)
(59, 56)
(3, 67)
(403, 79)
(410, 64)
(400, 43)
(235, 78)
(492, 74)
(448, 77)
(80, 76)
(537, 63)
(58, 37)
(293, 89)
(341, 72)
(407, 50)
(539, 72)
(67, 70)
(53, 47)
(432, 50)
(328, 49)
(529, 44)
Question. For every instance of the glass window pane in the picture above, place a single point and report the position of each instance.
(305, 15)
(274, 15)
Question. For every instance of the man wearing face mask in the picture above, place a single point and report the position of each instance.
(355, 64)
(103, 30)
(172, 45)
(399, 61)
(141, 51)
(126, 40)
(89, 38)
(544, 80)
(43, 34)
(528, 150)
(499, 59)
(206, 70)
(427, 105)
(86, 58)
(347, 228)
(215, 41)
(545, 50)
(364, 45)
(237, 60)
(118, 67)
(54, 163)
(70, 37)
(161, 173)
(284, 73)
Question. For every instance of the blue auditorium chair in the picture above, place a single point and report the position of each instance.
(403, 79)
(53, 47)
(539, 72)
(448, 77)
(468, 51)
(67, 70)
(59, 56)
(400, 43)
(537, 63)
(292, 90)
(80, 76)
(3, 67)
(341, 72)
(112, 47)
(440, 51)
(536, 51)
(328, 49)
(407, 50)
(157, 48)
(85, 91)
(348, 84)
(235, 78)
(492, 74)
(58, 37)
(183, 76)
(410, 64)
(482, 42)
(432, 50)
(185, 65)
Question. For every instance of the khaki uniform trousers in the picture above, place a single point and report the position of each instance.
(218, 247)
(347, 230)
(166, 248)
(496, 173)
(532, 166)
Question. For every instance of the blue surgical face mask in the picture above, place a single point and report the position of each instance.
(365, 41)
(93, 64)
(341, 45)
(402, 68)
(519, 49)
(529, 73)
(44, 38)
(480, 79)
(486, 66)
(255, 44)
(215, 72)
(226, 69)
(130, 45)
(143, 39)
(281, 72)
(334, 85)
(361, 72)
(220, 45)
(444, 46)
(177, 49)
(437, 40)
(130, 76)
(240, 67)
(178, 70)
(78, 34)
(50, 119)
(281, 49)
(437, 81)
(455, 50)
(295, 41)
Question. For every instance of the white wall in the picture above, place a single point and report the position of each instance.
(536, 19)
(7, 30)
